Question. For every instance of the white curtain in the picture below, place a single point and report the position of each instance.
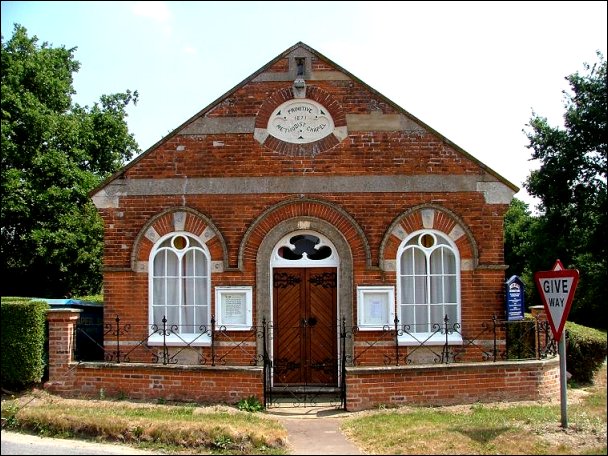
(428, 281)
(180, 286)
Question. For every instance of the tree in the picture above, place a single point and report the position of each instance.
(53, 153)
(519, 242)
(571, 185)
(517, 237)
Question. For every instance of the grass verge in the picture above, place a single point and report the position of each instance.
(167, 428)
(499, 428)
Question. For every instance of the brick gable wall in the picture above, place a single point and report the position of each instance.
(233, 183)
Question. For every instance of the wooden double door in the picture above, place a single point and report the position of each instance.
(305, 327)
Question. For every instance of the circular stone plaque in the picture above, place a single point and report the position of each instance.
(300, 121)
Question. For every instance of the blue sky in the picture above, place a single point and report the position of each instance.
(473, 71)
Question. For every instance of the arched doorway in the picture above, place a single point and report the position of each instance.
(305, 311)
(341, 263)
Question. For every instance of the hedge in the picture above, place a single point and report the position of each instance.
(22, 341)
(586, 350)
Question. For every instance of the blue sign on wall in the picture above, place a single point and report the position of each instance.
(514, 297)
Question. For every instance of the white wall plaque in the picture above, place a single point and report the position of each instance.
(234, 307)
(375, 307)
(300, 121)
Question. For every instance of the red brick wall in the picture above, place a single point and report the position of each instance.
(125, 291)
(366, 387)
(202, 384)
(61, 343)
(452, 384)
(205, 384)
(233, 214)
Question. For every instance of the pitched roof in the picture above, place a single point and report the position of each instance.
(320, 56)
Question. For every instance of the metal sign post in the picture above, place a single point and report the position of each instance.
(563, 382)
(556, 288)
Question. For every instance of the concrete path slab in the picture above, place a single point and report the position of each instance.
(314, 430)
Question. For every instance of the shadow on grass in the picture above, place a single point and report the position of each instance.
(482, 435)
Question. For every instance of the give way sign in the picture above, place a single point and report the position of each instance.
(556, 288)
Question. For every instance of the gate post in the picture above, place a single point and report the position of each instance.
(538, 314)
(267, 366)
(62, 337)
(343, 363)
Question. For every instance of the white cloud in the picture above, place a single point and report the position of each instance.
(189, 50)
(158, 11)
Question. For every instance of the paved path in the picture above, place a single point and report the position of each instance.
(26, 444)
(314, 430)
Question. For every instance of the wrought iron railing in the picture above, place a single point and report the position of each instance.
(398, 344)
(166, 343)
(445, 343)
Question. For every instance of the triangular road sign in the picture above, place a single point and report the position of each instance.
(556, 288)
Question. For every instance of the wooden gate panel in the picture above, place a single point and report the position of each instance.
(289, 301)
(321, 308)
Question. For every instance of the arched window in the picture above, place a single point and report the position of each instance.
(428, 286)
(179, 287)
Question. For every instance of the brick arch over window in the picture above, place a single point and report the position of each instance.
(312, 93)
(302, 211)
(179, 219)
(429, 216)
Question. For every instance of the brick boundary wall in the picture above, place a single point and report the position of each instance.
(202, 384)
(452, 384)
(366, 387)
(205, 384)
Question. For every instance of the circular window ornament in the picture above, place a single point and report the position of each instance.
(179, 242)
(300, 122)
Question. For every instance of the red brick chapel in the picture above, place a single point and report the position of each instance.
(304, 201)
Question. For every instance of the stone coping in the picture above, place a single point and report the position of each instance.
(480, 365)
(165, 367)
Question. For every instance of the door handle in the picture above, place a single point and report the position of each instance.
(309, 321)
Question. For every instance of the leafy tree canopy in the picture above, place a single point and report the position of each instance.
(571, 185)
(53, 153)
